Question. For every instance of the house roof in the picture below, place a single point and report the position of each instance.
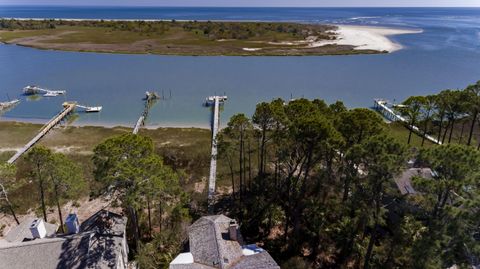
(94, 247)
(404, 181)
(22, 231)
(212, 247)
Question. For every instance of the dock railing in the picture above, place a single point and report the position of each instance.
(68, 107)
(381, 106)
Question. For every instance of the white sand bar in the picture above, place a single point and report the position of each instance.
(366, 37)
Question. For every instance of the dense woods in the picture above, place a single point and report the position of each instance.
(322, 192)
(451, 116)
(209, 29)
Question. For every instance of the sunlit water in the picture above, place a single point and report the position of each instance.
(445, 55)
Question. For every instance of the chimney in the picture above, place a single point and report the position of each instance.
(233, 230)
(37, 228)
(72, 224)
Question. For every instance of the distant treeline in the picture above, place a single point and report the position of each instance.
(212, 30)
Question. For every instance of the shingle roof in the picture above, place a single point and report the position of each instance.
(22, 231)
(98, 245)
(211, 247)
(404, 181)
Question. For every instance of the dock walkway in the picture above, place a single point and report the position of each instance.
(150, 100)
(67, 109)
(213, 159)
(381, 106)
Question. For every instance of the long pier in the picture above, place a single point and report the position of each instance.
(216, 100)
(67, 109)
(149, 102)
(381, 106)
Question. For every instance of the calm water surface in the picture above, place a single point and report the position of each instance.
(445, 55)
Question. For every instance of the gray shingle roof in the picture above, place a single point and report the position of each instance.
(211, 247)
(22, 231)
(98, 245)
(404, 181)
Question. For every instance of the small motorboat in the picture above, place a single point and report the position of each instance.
(93, 109)
(50, 94)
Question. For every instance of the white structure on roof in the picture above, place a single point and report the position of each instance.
(183, 258)
(73, 226)
(100, 243)
(37, 228)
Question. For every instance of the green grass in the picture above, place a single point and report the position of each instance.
(185, 149)
(181, 38)
(400, 132)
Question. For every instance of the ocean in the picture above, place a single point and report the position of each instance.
(446, 55)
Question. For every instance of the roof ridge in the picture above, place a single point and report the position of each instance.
(42, 241)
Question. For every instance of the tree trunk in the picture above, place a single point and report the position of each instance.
(425, 128)
(160, 213)
(445, 132)
(133, 217)
(461, 132)
(440, 129)
(230, 165)
(472, 126)
(10, 206)
(262, 153)
(240, 158)
(371, 242)
(42, 197)
(249, 165)
(57, 200)
(451, 131)
(149, 217)
(411, 131)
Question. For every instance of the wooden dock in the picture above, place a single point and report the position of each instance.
(67, 109)
(380, 105)
(217, 100)
(150, 100)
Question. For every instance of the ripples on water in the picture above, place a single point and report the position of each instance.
(445, 55)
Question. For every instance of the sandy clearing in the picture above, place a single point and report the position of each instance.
(87, 208)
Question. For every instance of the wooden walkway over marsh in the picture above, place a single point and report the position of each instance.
(380, 105)
(150, 99)
(215, 101)
(68, 107)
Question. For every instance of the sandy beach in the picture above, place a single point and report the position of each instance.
(367, 37)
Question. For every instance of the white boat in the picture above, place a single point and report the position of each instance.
(211, 99)
(57, 92)
(50, 94)
(93, 109)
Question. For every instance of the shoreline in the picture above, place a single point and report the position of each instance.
(363, 37)
(358, 39)
(108, 125)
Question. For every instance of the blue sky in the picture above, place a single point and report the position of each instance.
(230, 3)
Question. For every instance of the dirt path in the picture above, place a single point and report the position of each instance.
(84, 211)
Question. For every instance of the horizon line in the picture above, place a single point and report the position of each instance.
(212, 6)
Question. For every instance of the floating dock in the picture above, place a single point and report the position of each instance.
(68, 107)
(215, 101)
(381, 106)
